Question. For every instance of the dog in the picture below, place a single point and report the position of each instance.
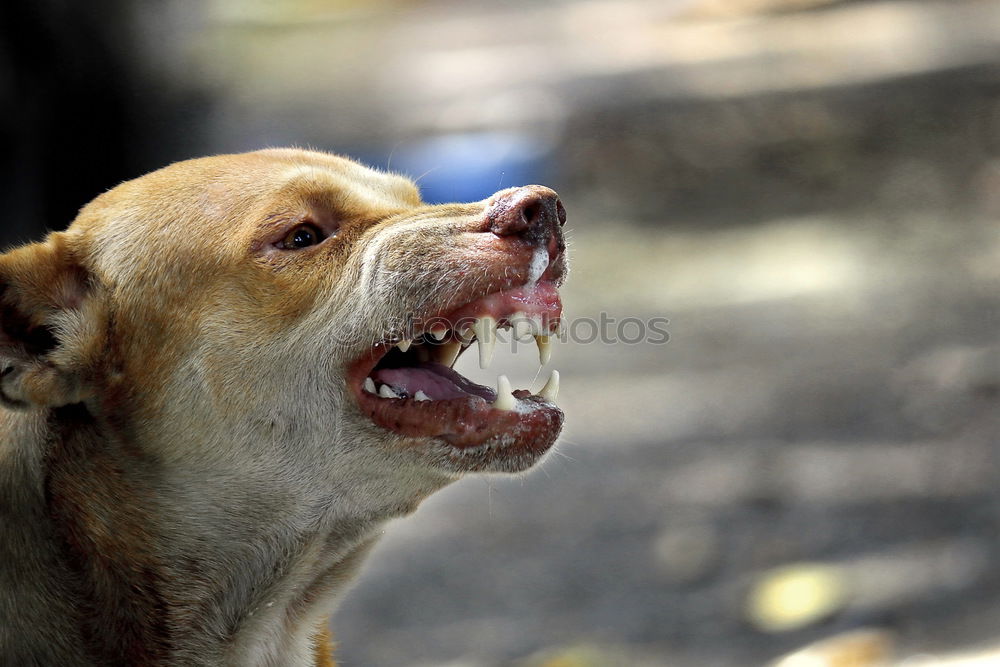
(225, 376)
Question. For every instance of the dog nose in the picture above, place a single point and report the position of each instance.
(533, 211)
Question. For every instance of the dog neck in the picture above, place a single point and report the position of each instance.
(191, 565)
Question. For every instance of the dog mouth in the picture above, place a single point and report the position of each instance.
(407, 384)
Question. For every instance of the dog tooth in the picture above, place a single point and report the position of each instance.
(544, 349)
(505, 398)
(448, 353)
(438, 333)
(370, 386)
(404, 345)
(385, 391)
(421, 396)
(551, 389)
(486, 332)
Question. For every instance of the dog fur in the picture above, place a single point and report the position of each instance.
(184, 476)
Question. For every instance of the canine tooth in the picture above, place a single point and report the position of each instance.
(385, 391)
(438, 333)
(421, 396)
(448, 353)
(404, 345)
(486, 333)
(551, 389)
(544, 349)
(505, 399)
(370, 386)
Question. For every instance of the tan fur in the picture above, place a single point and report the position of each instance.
(183, 479)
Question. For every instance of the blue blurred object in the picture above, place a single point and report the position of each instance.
(469, 166)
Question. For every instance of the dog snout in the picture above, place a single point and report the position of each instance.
(533, 212)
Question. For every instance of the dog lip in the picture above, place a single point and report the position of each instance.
(471, 427)
(469, 423)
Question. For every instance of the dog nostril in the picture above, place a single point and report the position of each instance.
(531, 212)
(560, 212)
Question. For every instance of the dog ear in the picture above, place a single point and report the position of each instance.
(51, 326)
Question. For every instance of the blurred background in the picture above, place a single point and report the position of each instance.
(808, 189)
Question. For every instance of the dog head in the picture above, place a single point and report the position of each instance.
(290, 305)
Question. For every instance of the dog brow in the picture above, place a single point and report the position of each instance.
(357, 188)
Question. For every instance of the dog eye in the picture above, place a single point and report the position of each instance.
(302, 236)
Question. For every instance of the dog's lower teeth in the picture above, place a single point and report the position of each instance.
(385, 391)
(505, 398)
(370, 386)
(421, 396)
(551, 389)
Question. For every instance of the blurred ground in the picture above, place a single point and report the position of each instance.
(807, 189)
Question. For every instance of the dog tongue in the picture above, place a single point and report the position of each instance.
(439, 382)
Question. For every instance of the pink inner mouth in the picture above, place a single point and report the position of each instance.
(437, 381)
(416, 392)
